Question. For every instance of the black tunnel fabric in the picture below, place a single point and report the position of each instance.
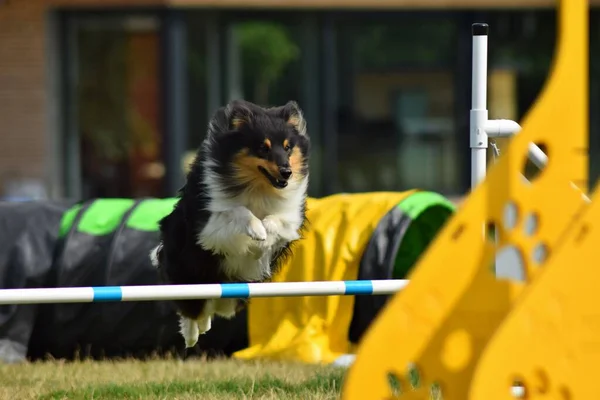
(35, 253)
(377, 262)
(398, 241)
(62, 244)
(28, 233)
(117, 258)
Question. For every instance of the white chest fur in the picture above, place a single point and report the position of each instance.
(249, 229)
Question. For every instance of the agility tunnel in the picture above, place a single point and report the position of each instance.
(106, 242)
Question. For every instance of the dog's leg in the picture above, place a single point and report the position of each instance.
(226, 308)
(204, 324)
(189, 331)
(251, 225)
(278, 227)
(205, 318)
(279, 231)
(232, 231)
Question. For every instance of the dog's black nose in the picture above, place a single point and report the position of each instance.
(285, 172)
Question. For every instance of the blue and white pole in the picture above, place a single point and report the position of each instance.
(96, 294)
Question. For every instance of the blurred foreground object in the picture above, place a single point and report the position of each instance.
(466, 334)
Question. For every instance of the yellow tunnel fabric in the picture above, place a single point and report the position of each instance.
(315, 329)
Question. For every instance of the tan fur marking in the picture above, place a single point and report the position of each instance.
(294, 120)
(296, 163)
(286, 143)
(238, 122)
(247, 172)
(268, 143)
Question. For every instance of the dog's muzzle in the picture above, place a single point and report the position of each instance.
(279, 183)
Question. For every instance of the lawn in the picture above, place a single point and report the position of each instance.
(169, 379)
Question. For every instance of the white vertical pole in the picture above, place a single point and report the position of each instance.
(481, 128)
(479, 114)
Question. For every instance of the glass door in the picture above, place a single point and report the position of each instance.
(115, 141)
(396, 127)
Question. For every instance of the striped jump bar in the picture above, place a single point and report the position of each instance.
(95, 294)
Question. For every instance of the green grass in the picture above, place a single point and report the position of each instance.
(323, 386)
(169, 379)
(173, 379)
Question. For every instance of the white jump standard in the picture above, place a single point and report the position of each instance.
(481, 128)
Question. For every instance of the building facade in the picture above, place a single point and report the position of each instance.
(108, 99)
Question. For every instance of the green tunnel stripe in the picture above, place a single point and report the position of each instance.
(428, 212)
(103, 216)
(147, 215)
(415, 204)
(428, 209)
(68, 219)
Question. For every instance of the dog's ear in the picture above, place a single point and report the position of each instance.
(231, 117)
(292, 114)
(238, 113)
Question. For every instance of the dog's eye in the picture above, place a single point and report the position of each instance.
(264, 148)
(287, 148)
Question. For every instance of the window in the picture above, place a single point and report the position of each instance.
(396, 103)
(115, 88)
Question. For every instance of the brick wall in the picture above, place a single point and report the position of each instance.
(23, 135)
(28, 127)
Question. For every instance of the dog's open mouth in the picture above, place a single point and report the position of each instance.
(278, 183)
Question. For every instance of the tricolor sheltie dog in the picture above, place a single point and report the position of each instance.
(242, 207)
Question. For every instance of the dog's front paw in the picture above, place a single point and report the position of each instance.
(271, 224)
(276, 228)
(256, 230)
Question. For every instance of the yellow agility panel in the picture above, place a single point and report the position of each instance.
(445, 316)
(549, 342)
(315, 329)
